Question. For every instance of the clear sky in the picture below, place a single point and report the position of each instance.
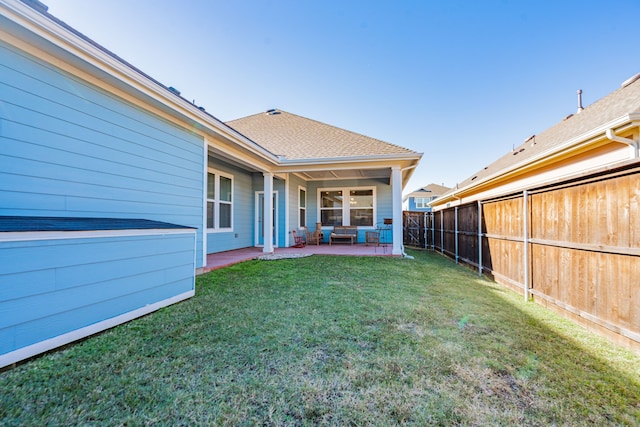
(461, 81)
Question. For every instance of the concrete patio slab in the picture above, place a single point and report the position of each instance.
(225, 259)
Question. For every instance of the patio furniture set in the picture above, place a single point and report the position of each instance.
(341, 234)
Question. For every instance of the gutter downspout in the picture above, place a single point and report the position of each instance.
(632, 143)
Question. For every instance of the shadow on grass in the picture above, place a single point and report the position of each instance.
(329, 340)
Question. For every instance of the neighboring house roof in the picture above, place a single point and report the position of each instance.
(428, 191)
(295, 137)
(623, 102)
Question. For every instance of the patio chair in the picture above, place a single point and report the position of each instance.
(313, 237)
(298, 241)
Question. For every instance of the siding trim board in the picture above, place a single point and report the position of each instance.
(52, 343)
(66, 278)
(64, 235)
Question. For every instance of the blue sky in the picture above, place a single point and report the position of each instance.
(460, 81)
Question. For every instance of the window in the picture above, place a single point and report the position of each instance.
(219, 201)
(358, 209)
(421, 202)
(302, 207)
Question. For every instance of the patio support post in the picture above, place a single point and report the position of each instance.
(268, 213)
(396, 190)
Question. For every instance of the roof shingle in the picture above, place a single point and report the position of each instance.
(294, 137)
(625, 100)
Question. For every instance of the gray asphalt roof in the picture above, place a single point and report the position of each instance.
(297, 137)
(624, 100)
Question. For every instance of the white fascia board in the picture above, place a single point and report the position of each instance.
(571, 143)
(27, 236)
(49, 30)
(337, 163)
(351, 159)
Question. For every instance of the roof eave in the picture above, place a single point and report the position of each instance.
(139, 84)
(508, 172)
(351, 159)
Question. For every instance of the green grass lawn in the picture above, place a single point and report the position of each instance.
(334, 341)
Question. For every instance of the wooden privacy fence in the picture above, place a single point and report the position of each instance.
(573, 247)
(417, 229)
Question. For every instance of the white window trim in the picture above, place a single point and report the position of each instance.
(421, 202)
(306, 203)
(216, 223)
(346, 208)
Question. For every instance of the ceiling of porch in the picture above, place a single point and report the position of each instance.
(331, 174)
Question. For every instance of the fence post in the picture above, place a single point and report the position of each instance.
(456, 232)
(433, 231)
(442, 231)
(424, 228)
(479, 238)
(525, 252)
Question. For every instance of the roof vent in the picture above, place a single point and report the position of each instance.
(273, 112)
(532, 138)
(174, 90)
(630, 80)
(567, 117)
(580, 108)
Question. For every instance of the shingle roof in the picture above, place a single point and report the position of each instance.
(429, 190)
(41, 223)
(295, 137)
(625, 100)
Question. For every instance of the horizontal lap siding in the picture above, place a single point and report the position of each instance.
(383, 202)
(52, 287)
(70, 149)
(243, 212)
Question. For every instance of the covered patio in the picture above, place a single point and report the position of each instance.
(227, 258)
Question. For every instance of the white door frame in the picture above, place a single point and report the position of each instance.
(257, 222)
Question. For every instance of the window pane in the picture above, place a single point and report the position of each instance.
(361, 199)
(210, 214)
(331, 217)
(303, 219)
(303, 199)
(211, 186)
(331, 199)
(361, 217)
(225, 189)
(225, 215)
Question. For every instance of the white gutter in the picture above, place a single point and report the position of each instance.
(350, 159)
(554, 150)
(635, 145)
(40, 24)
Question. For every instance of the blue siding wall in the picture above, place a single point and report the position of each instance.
(283, 233)
(384, 201)
(292, 208)
(52, 287)
(279, 187)
(70, 149)
(243, 212)
(412, 206)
